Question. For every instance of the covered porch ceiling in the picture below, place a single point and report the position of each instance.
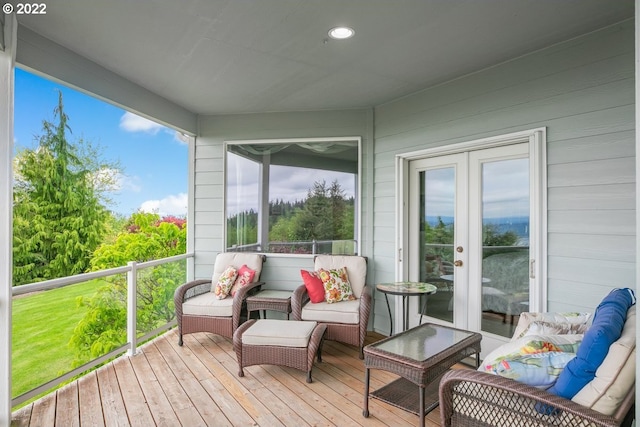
(245, 56)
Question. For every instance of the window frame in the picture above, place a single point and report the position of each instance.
(357, 140)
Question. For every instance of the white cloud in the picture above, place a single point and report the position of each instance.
(170, 205)
(128, 183)
(133, 123)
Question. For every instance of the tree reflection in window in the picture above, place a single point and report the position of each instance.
(293, 196)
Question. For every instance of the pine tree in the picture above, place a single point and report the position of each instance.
(59, 218)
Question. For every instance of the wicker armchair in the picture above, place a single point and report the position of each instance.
(472, 398)
(347, 320)
(197, 309)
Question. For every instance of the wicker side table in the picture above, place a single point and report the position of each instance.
(270, 299)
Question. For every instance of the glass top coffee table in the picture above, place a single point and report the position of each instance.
(419, 356)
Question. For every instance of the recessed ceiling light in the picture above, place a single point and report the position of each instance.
(341, 33)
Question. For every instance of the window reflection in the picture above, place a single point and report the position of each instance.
(292, 196)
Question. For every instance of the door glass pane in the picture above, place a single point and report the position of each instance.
(437, 197)
(505, 247)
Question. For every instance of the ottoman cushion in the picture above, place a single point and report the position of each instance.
(283, 333)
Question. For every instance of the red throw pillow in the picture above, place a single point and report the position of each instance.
(245, 276)
(314, 286)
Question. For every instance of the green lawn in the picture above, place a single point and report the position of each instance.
(42, 326)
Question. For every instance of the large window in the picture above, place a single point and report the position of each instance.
(297, 196)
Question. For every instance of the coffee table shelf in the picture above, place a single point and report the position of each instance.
(403, 394)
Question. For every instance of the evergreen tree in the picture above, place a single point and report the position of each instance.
(59, 217)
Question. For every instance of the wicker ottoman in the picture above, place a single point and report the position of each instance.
(279, 342)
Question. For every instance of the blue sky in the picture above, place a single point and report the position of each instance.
(152, 158)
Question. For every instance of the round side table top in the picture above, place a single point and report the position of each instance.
(407, 288)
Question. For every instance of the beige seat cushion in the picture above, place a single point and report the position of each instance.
(208, 305)
(339, 312)
(356, 269)
(282, 333)
(616, 375)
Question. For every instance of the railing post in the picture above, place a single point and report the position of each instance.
(132, 275)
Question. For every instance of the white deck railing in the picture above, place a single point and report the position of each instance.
(131, 345)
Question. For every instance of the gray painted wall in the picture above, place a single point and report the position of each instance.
(582, 91)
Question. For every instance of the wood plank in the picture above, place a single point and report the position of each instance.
(137, 409)
(182, 405)
(115, 413)
(43, 413)
(308, 394)
(22, 417)
(294, 401)
(230, 407)
(337, 402)
(283, 403)
(202, 377)
(159, 405)
(384, 412)
(237, 388)
(89, 401)
(199, 398)
(68, 406)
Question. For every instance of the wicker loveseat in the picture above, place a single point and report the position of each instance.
(475, 398)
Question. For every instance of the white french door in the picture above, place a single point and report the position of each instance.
(473, 227)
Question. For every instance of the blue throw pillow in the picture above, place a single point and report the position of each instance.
(606, 328)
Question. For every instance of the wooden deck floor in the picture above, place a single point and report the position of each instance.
(198, 385)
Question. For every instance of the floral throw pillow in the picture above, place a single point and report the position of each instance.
(225, 282)
(245, 276)
(336, 285)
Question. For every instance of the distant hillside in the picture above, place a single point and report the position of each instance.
(517, 224)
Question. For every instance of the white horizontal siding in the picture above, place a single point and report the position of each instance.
(605, 247)
(589, 197)
(582, 91)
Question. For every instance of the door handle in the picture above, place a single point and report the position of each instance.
(457, 263)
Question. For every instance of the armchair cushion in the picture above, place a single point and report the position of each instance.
(608, 321)
(346, 312)
(314, 286)
(616, 375)
(207, 304)
(336, 285)
(225, 282)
